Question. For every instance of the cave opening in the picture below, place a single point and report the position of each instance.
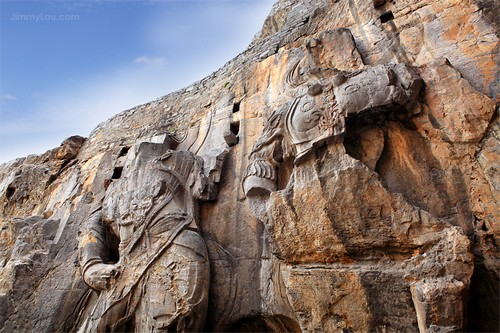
(483, 302)
(10, 192)
(265, 323)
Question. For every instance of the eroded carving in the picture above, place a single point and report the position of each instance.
(326, 98)
(322, 218)
(142, 252)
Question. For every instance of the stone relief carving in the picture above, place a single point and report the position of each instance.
(320, 114)
(359, 225)
(142, 251)
(326, 103)
(322, 99)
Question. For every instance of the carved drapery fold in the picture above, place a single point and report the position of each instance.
(160, 280)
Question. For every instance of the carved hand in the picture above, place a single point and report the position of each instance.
(99, 276)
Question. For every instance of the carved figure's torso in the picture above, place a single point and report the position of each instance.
(152, 211)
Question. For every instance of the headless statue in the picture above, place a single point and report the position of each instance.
(159, 278)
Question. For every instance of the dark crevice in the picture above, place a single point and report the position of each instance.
(65, 164)
(113, 254)
(117, 173)
(378, 3)
(483, 302)
(10, 192)
(235, 128)
(123, 151)
(284, 174)
(386, 17)
(51, 179)
(263, 323)
(236, 107)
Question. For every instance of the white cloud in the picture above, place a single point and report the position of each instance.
(209, 35)
(9, 97)
(77, 111)
(150, 61)
(80, 107)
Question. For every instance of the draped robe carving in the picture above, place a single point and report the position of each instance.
(160, 279)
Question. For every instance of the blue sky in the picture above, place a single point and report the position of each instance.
(67, 65)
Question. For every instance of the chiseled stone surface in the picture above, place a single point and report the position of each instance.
(359, 191)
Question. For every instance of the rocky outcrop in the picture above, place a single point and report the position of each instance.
(346, 181)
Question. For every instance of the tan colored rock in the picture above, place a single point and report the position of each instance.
(335, 49)
(366, 145)
(386, 222)
(457, 109)
(69, 148)
(429, 298)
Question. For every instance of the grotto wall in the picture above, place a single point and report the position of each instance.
(340, 175)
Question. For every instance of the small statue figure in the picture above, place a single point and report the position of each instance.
(142, 251)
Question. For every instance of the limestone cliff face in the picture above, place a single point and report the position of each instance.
(386, 223)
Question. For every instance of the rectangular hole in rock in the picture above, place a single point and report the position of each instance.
(117, 173)
(235, 128)
(386, 17)
(236, 107)
(123, 151)
(10, 192)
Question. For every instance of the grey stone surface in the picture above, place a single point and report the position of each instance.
(375, 210)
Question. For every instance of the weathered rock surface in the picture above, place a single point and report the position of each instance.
(359, 193)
